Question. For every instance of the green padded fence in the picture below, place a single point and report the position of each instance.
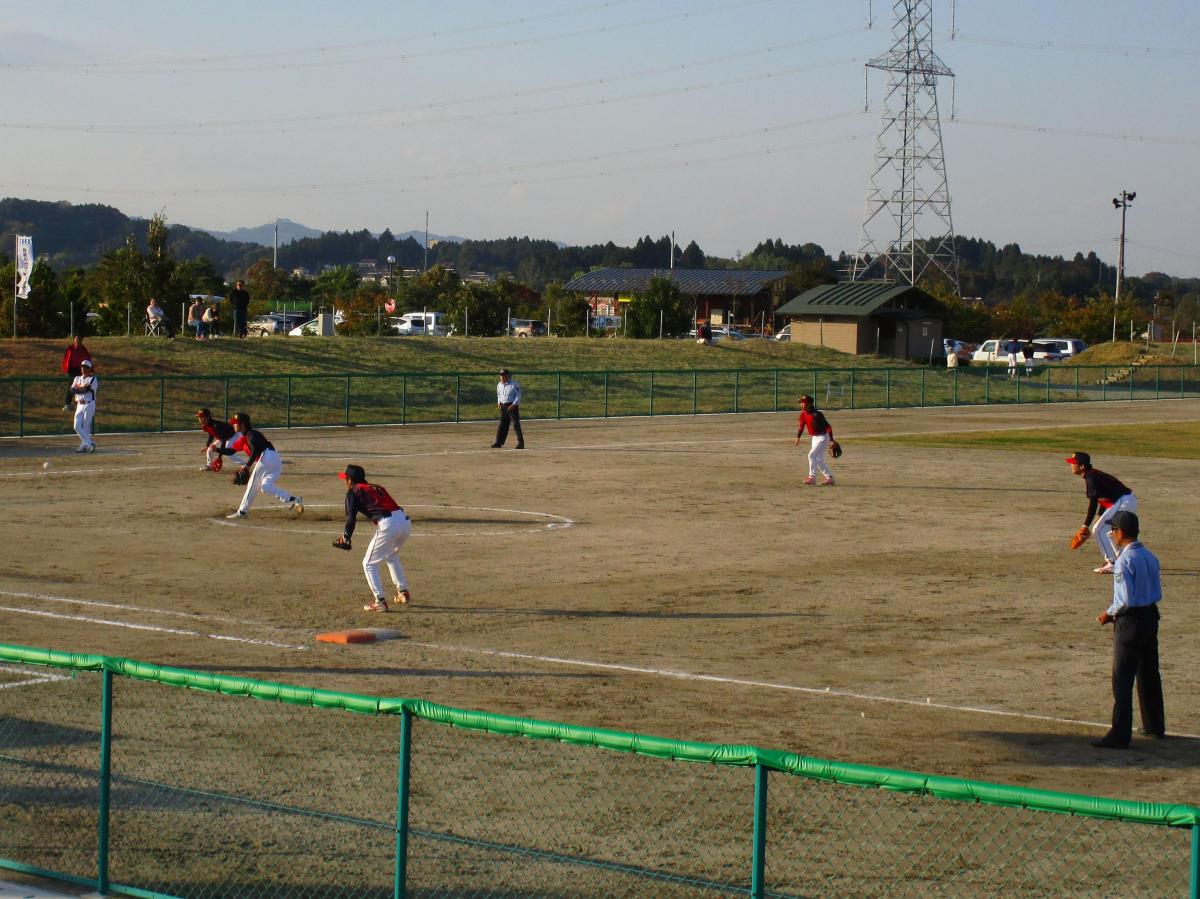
(135, 779)
(137, 403)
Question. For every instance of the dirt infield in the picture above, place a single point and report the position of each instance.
(668, 576)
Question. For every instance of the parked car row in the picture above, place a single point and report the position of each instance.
(1044, 349)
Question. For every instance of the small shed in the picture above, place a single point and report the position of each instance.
(865, 317)
(740, 298)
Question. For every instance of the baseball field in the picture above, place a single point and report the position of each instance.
(665, 576)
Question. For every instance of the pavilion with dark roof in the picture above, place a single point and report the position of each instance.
(864, 317)
(737, 298)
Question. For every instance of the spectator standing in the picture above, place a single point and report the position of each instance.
(1013, 348)
(1137, 590)
(240, 298)
(952, 358)
(72, 363)
(508, 401)
(196, 318)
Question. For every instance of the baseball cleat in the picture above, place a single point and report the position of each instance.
(828, 482)
(1106, 568)
(238, 514)
(297, 505)
(809, 481)
(403, 597)
(379, 605)
(92, 448)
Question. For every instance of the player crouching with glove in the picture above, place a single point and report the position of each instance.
(392, 528)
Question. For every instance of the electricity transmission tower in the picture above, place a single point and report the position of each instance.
(907, 231)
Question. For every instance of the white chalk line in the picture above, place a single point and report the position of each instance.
(150, 627)
(560, 522)
(38, 677)
(49, 597)
(747, 682)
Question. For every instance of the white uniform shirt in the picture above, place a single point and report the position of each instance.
(508, 393)
(89, 396)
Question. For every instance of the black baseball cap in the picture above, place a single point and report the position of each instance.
(1078, 458)
(354, 474)
(1126, 521)
(505, 371)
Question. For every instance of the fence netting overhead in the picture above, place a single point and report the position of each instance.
(126, 404)
(212, 792)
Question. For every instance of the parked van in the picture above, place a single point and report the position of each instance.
(992, 350)
(415, 324)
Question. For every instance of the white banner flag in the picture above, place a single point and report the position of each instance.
(24, 265)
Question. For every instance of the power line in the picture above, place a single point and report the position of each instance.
(1074, 132)
(344, 117)
(173, 68)
(1075, 47)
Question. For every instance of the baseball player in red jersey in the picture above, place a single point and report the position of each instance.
(822, 434)
(264, 467)
(1103, 492)
(392, 528)
(220, 436)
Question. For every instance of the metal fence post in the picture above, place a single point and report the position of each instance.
(1132, 371)
(404, 399)
(21, 408)
(347, 416)
(162, 404)
(457, 398)
(695, 387)
(1104, 383)
(1157, 379)
(606, 394)
(401, 871)
(887, 389)
(987, 385)
(105, 780)
(776, 388)
(287, 409)
(652, 393)
(737, 386)
(954, 387)
(922, 388)
(852, 406)
(1077, 385)
(558, 397)
(1018, 385)
(758, 854)
(1047, 383)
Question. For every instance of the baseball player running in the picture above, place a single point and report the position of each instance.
(1104, 492)
(220, 436)
(261, 470)
(822, 440)
(392, 528)
(83, 389)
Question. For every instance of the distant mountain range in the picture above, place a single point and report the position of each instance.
(289, 231)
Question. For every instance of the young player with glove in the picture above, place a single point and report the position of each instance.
(220, 436)
(1103, 492)
(258, 474)
(822, 441)
(392, 528)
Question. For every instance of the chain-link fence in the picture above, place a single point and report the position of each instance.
(135, 403)
(156, 782)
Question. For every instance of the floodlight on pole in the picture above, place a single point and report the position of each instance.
(1122, 202)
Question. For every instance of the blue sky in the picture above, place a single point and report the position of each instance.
(727, 121)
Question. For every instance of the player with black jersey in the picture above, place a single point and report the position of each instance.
(1103, 492)
(264, 467)
(392, 528)
(220, 436)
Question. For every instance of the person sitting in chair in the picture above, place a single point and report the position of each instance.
(156, 320)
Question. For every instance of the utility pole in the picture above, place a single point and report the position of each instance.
(1122, 202)
(275, 254)
(907, 228)
(425, 264)
(672, 250)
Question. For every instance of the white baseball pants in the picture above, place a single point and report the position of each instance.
(262, 479)
(384, 549)
(1127, 503)
(84, 413)
(816, 457)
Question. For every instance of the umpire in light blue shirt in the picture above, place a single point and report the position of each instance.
(1134, 614)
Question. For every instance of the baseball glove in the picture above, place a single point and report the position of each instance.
(340, 543)
(1080, 537)
(835, 449)
(241, 476)
(217, 463)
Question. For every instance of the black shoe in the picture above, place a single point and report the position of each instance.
(496, 445)
(1109, 743)
(1153, 736)
(520, 446)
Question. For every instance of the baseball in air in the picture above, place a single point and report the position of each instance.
(45, 466)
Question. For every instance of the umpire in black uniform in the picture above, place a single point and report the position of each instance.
(508, 401)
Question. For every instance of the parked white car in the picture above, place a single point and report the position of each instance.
(991, 351)
(1067, 346)
(785, 333)
(416, 324)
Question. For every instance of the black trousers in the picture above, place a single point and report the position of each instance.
(239, 322)
(509, 414)
(1135, 660)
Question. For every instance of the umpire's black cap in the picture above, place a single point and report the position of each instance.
(354, 474)
(1126, 521)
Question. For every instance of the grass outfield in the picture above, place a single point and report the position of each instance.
(1168, 440)
(279, 355)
